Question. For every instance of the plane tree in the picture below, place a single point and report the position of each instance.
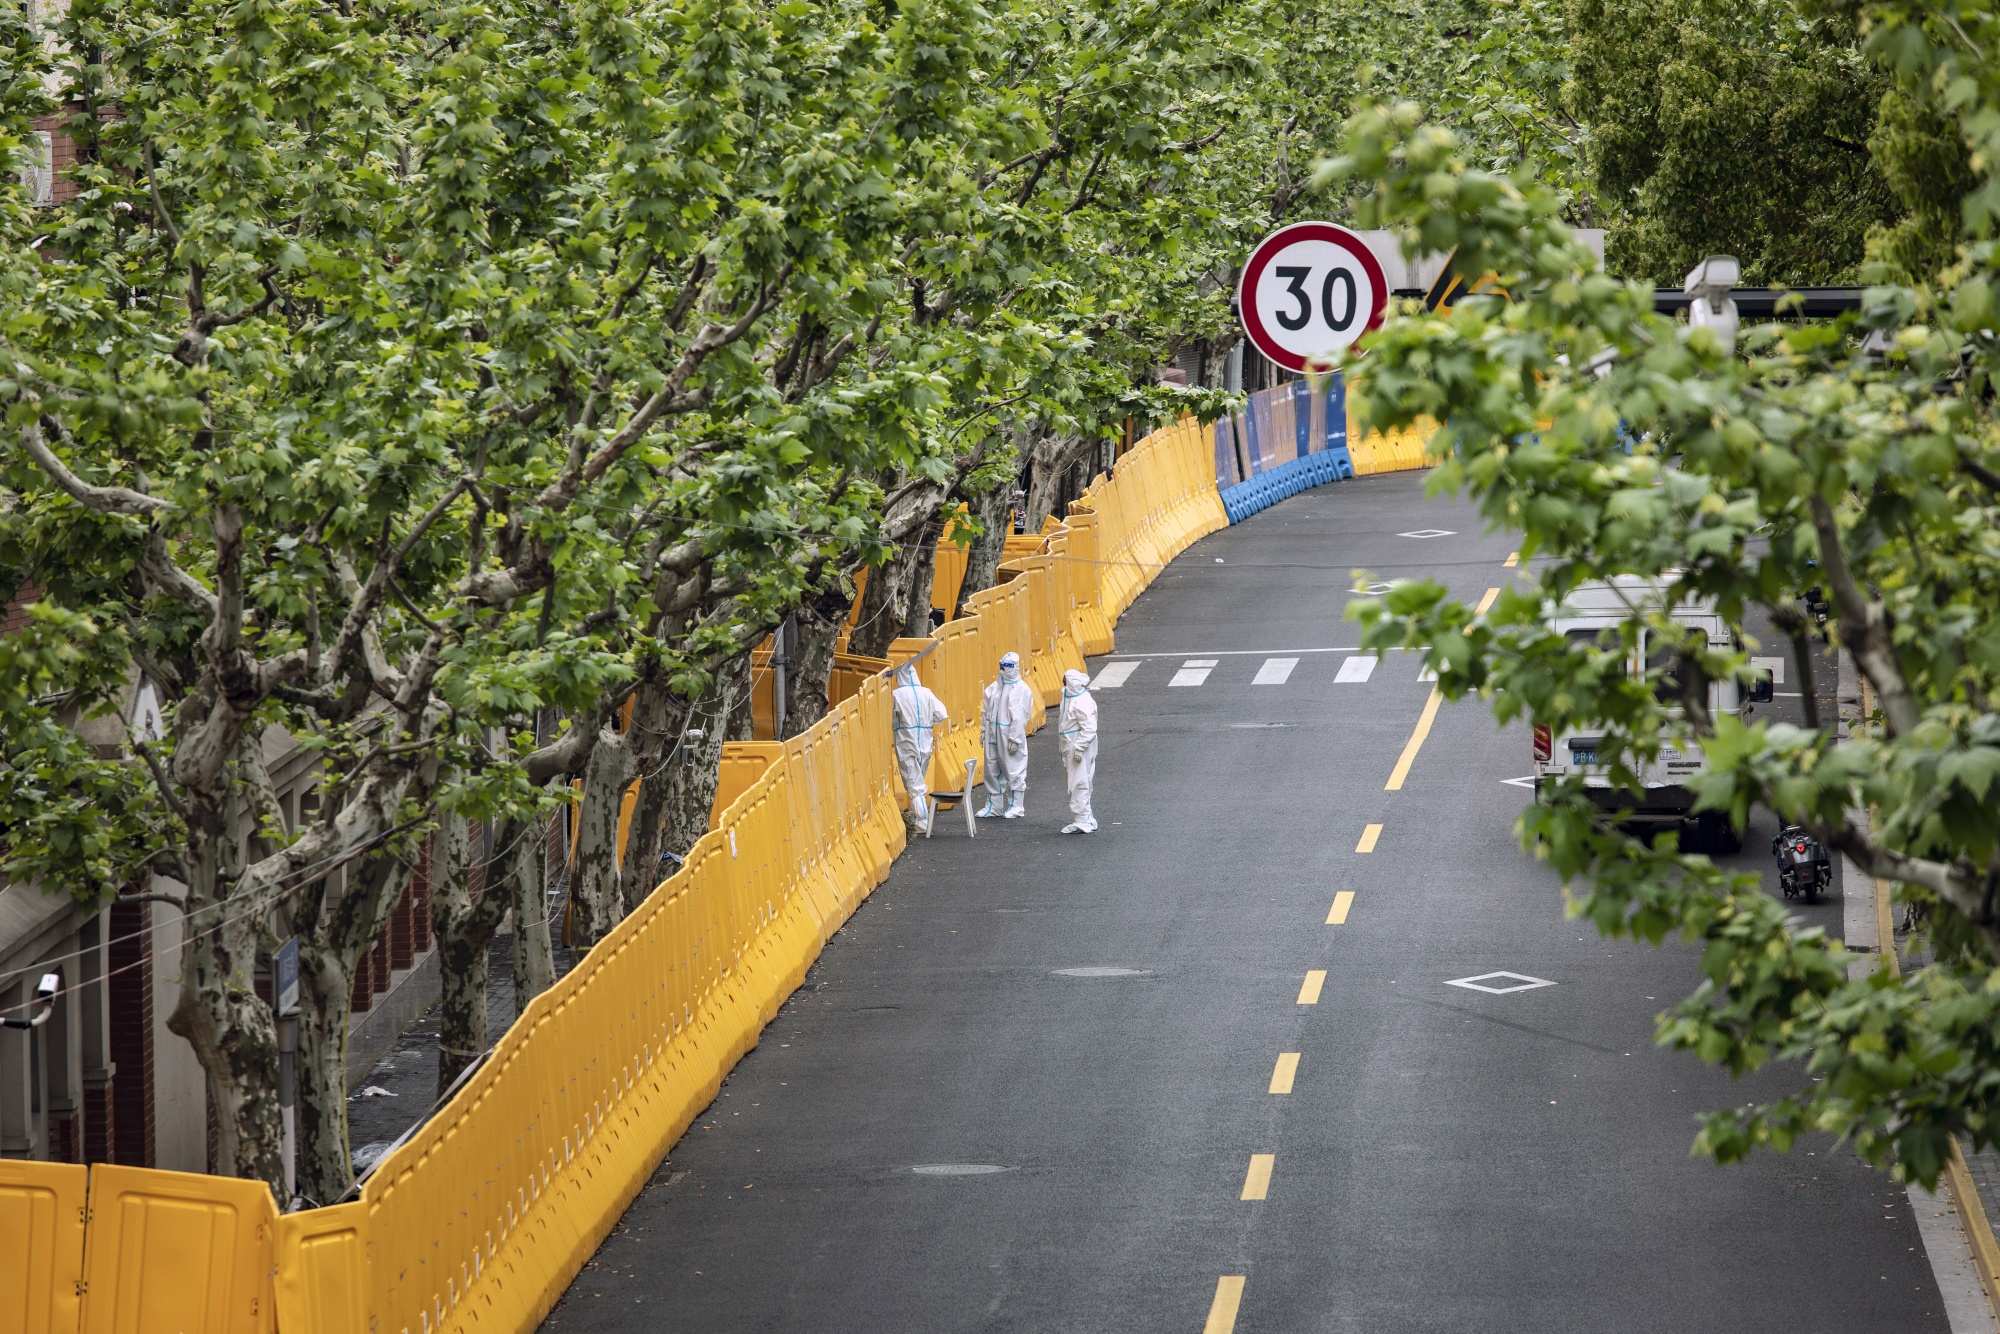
(1859, 457)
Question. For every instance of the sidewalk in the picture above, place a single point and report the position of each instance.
(400, 1090)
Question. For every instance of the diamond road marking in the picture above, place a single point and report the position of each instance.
(1519, 982)
(1429, 532)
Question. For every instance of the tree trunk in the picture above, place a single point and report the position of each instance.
(326, 993)
(465, 926)
(1049, 460)
(887, 602)
(660, 723)
(235, 1037)
(374, 885)
(819, 619)
(982, 557)
(923, 576)
(676, 799)
(233, 1033)
(597, 893)
(534, 952)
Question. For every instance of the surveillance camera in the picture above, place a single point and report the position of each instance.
(1708, 283)
(696, 733)
(1713, 277)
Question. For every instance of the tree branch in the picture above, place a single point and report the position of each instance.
(103, 499)
(387, 565)
(1864, 628)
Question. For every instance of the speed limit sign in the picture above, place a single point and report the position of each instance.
(1308, 291)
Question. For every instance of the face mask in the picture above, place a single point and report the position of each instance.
(1010, 674)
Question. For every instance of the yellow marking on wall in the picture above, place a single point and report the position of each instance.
(1416, 743)
(1341, 903)
(1309, 989)
(1222, 1311)
(1486, 603)
(1285, 1072)
(1513, 559)
(1368, 837)
(1257, 1181)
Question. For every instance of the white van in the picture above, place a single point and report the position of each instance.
(1593, 610)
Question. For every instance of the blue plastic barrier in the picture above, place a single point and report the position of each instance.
(1285, 440)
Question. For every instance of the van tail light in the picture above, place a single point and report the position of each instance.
(1545, 746)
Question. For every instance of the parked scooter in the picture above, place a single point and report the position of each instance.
(1804, 869)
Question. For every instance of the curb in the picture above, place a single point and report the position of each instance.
(1978, 1230)
(1971, 1209)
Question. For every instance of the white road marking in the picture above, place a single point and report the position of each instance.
(1356, 670)
(1775, 666)
(1193, 672)
(1429, 532)
(1528, 781)
(1112, 675)
(1426, 674)
(1274, 672)
(1484, 982)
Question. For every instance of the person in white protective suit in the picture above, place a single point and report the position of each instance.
(1003, 724)
(917, 711)
(1076, 734)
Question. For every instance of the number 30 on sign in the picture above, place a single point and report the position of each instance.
(1308, 291)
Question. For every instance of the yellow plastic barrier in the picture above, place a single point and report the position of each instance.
(1158, 501)
(41, 1246)
(1401, 450)
(482, 1217)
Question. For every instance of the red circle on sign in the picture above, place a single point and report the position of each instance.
(1268, 249)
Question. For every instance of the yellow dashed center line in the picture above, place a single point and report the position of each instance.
(1368, 837)
(1416, 743)
(1257, 1181)
(1285, 1072)
(1513, 559)
(1222, 1311)
(1486, 603)
(1341, 903)
(1309, 989)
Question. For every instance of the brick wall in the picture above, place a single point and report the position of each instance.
(15, 614)
(131, 1003)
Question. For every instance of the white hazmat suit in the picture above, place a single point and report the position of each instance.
(917, 711)
(1003, 724)
(1076, 734)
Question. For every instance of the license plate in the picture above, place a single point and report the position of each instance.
(1583, 756)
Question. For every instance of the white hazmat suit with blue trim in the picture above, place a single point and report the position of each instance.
(1076, 734)
(917, 711)
(1003, 724)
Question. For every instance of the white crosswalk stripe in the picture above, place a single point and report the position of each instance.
(1356, 669)
(1193, 672)
(1112, 675)
(1274, 671)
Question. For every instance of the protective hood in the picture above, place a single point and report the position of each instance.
(1010, 668)
(1075, 682)
(906, 675)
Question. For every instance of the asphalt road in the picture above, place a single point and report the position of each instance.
(1446, 1159)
